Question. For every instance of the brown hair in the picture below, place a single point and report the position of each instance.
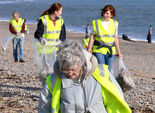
(54, 7)
(108, 8)
(15, 12)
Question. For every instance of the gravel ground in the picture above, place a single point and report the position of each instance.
(20, 85)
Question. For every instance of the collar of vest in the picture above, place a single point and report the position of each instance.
(91, 65)
(57, 18)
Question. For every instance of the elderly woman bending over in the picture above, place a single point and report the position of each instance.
(80, 85)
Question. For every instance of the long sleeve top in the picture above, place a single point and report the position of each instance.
(13, 31)
(40, 30)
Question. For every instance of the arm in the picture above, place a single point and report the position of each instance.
(63, 33)
(40, 29)
(91, 42)
(23, 28)
(151, 31)
(11, 29)
(44, 100)
(117, 46)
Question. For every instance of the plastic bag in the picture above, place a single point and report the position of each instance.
(6, 40)
(122, 74)
(44, 58)
(115, 67)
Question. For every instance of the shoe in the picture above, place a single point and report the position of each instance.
(16, 60)
(21, 60)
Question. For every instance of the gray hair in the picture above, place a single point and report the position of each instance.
(15, 12)
(70, 53)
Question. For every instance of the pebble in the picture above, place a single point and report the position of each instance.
(19, 91)
(20, 86)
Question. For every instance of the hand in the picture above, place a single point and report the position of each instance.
(43, 41)
(19, 34)
(89, 52)
(120, 55)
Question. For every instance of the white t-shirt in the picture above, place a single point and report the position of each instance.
(105, 24)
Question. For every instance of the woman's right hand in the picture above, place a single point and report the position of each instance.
(120, 55)
(42, 41)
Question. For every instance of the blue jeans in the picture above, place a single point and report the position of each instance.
(105, 59)
(18, 42)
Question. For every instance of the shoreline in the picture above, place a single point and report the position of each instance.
(127, 47)
(81, 32)
(20, 85)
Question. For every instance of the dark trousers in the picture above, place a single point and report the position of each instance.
(149, 38)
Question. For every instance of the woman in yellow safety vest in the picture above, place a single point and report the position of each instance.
(50, 30)
(80, 85)
(104, 34)
(51, 27)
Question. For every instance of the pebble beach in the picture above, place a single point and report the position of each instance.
(20, 86)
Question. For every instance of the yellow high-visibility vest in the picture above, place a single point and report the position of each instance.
(48, 49)
(113, 100)
(26, 27)
(51, 32)
(86, 42)
(103, 36)
(17, 26)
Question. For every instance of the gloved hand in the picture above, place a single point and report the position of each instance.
(42, 41)
(19, 34)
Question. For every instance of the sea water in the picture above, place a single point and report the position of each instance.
(134, 16)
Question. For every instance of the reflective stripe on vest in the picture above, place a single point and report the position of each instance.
(107, 35)
(52, 40)
(107, 44)
(45, 25)
(17, 26)
(112, 98)
(54, 86)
